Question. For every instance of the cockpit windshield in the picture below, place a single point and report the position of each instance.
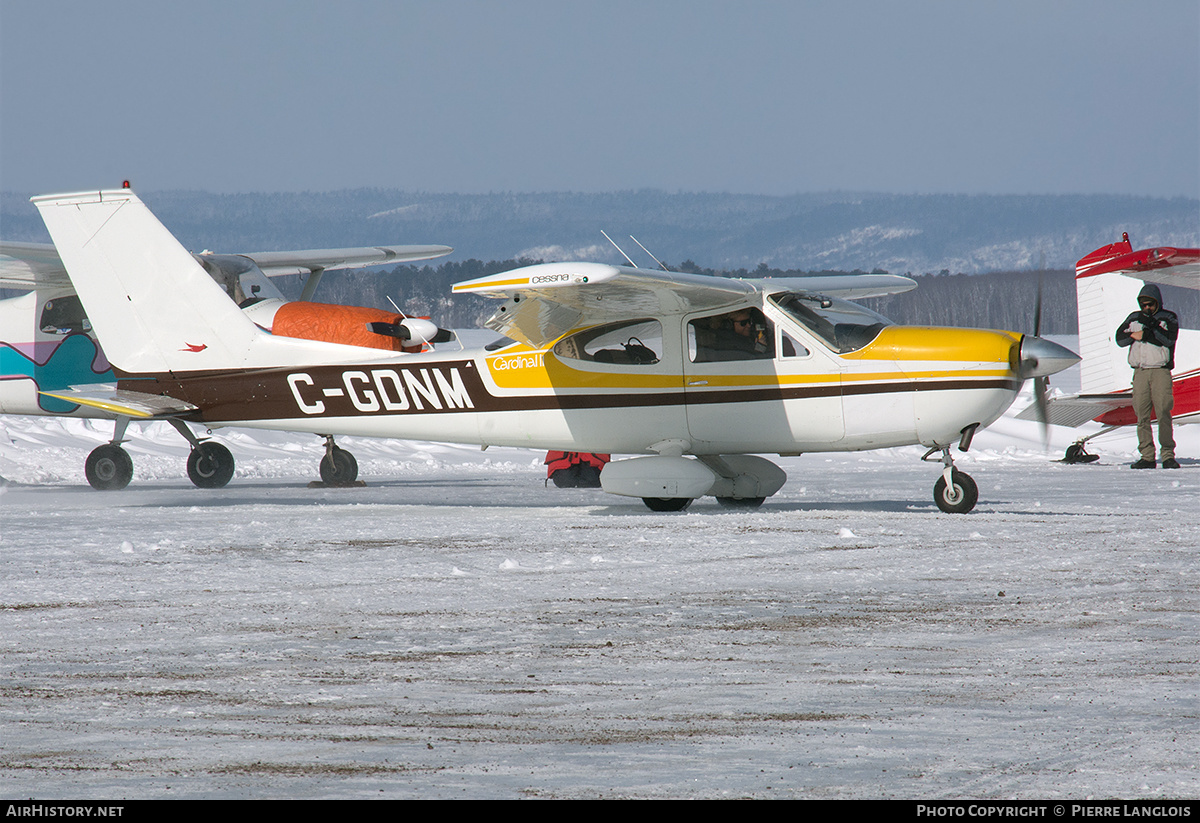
(840, 324)
(243, 281)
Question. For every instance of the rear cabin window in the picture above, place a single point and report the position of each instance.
(634, 343)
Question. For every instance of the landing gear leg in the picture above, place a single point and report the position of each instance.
(109, 467)
(338, 466)
(209, 465)
(955, 492)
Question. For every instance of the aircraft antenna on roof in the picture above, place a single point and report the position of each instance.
(647, 251)
(618, 248)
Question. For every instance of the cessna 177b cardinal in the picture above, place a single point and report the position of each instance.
(1107, 282)
(47, 342)
(699, 375)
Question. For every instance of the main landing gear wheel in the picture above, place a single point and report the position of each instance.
(1076, 453)
(740, 502)
(959, 497)
(210, 465)
(108, 468)
(667, 504)
(577, 476)
(338, 468)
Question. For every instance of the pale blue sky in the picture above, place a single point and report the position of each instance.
(986, 96)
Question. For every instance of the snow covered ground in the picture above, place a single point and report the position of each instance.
(456, 629)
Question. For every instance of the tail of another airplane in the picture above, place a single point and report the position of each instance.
(1104, 300)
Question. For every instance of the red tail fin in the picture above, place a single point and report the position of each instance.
(1105, 254)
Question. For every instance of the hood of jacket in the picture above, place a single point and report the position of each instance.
(1151, 290)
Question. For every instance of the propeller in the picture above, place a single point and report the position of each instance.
(416, 329)
(1041, 358)
(1041, 384)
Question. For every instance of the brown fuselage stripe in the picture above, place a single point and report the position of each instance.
(266, 394)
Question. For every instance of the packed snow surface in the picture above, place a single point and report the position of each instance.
(457, 629)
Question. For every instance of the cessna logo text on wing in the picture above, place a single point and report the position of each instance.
(385, 390)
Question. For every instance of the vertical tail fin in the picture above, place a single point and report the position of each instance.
(152, 305)
(1104, 300)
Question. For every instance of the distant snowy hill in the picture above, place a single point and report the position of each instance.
(846, 231)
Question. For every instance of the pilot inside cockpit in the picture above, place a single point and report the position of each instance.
(744, 334)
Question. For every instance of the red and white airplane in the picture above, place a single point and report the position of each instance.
(1107, 282)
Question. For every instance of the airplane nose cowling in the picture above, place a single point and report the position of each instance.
(1041, 358)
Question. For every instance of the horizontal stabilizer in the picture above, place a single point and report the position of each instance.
(107, 397)
(1077, 409)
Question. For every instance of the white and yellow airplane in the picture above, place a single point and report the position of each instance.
(47, 342)
(699, 375)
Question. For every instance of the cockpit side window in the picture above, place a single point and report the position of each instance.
(840, 324)
(791, 347)
(743, 334)
(63, 315)
(634, 342)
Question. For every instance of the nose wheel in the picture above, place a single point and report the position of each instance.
(958, 496)
(955, 492)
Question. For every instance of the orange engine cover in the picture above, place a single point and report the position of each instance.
(337, 324)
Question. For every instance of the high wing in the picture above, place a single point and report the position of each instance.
(277, 263)
(30, 265)
(33, 265)
(545, 301)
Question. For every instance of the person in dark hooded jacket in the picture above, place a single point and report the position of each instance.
(1150, 334)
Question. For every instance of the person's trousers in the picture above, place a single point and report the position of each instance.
(1152, 391)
